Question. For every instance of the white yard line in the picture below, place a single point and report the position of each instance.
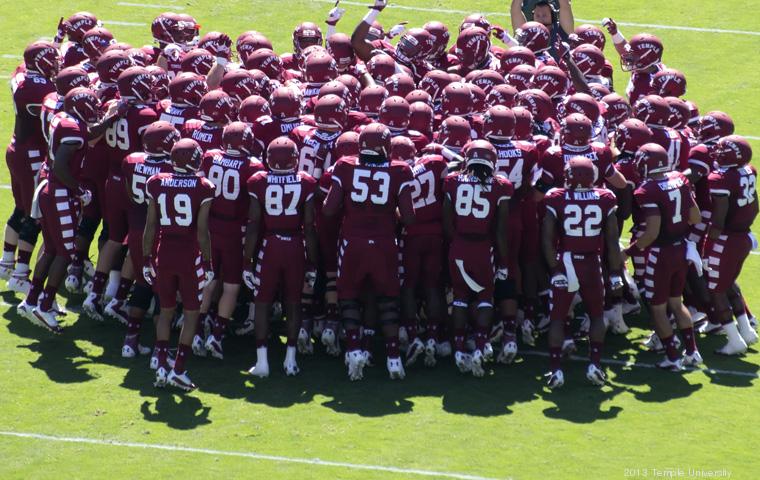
(150, 5)
(124, 24)
(11, 55)
(579, 20)
(250, 455)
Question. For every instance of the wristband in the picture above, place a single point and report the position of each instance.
(618, 38)
(371, 16)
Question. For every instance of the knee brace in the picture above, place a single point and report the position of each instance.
(16, 220)
(87, 228)
(140, 297)
(505, 290)
(30, 230)
(388, 310)
(350, 312)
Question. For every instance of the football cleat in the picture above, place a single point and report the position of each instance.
(89, 268)
(25, 310)
(691, 359)
(198, 346)
(115, 310)
(246, 328)
(92, 307)
(368, 358)
(261, 369)
(58, 310)
(528, 332)
(596, 375)
(672, 365)
(477, 364)
(653, 343)
(430, 353)
(508, 352)
(584, 327)
(488, 352)
(568, 347)
(305, 347)
(330, 341)
(403, 338)
(497, 331)
(87, 288)
(20, 283)
(443, 349)
(128, 350)
(161, 375)
(73, 281)
(290, 365)
(46, 320)
(735, 344)
(748, 334)
(355, 360)
(697, 317)
(415, 349)
(181, 381)
(179, 320)
(753, 321)
(631, 308)
(709, 328)
(463, 362)
(555, 379)
(616, 320)
(154, 361)
(319, 325)
(6, 269)
(395, 368)
(214, 347)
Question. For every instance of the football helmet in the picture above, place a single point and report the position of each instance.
(523, 123)
(475, 20)
(354, 88)
(415, 44)
(434, 82)
(504, 95)
(331, 113)
(580, 173)
(240, 84)
(669, 82)
(616, 109)
(339, 46)
(534, 36)
(582, 103)
(679, 113)
(455, 132)
(334, 87)
(394, 113)
(69, 78)
(249, 42)
(111, 64)
(217, 44)
(421, 117)
(631, 134)
(95, 41)
(515, 56)
(589, 59)
(499, 123)
(419, 96)
(135, 84)
(598, 91)
(652, 158)
(403, 149)
(319, 68)
(83, 104)
(265, 60)
(252, 108)
(480, 152)
(372, 98)
(591, 34)
(642, 51)
(375, 32)
(160, 80)
(138, 57)
(186, 155)
(159, 137)
(197, 61)
(218, 107)
(375, 140)
(576, 130)
(472, 47)
(731, 151)
(652, 110)
(441, 37)
(187, 89)
(456, 99)
(521, 77)
(399, 85)
(79, 23)
(485, 79)
(347, 145)
(538, 102)
(42, 57)
(166, 29)
(237, 138)
(381, 67)
(188, 29)
(282, 155)
(285, 103)
(551, 80)
(478, 98)
(713, 125)
(305, 35)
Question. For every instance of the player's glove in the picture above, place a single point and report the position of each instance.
(610, 25)
(616, 281)
(310, 278)
(85, 196)
(208, 273)
(397, 30)
(172, 52)
(335, 14)
(502, 273)
(379, 5)
(559, 280)
(149, 273)
(60, 33)
(249, 278)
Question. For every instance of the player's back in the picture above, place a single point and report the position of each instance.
(675, 144)
(28, 95)
(175, 114)
(229, 174)
(137, 168)
(581, 214)
(427, 194)
(316, 149)
(208, 136)
(739, 185)
(178, 197)
(475, 203)
(516, 161)
(672, 198)
(125, 135)
(66, 129)
(282, 197)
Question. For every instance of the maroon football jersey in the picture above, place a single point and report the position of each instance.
(675, 143)
(29, 92)
(282, 197)
(73, 54)
(66, 129)
(640, 84)
(266, 128)
(52, 104)
(371, 194)
(136, 169)
(125, 135)
(229, 174)
(700, 163)
(670, 198)
(475, 204)
(209, 137)
(427, 193)
(106, 91)
(581, 215)
(178, 197)
(553, 162)
(738, 184)
(177, 115)
(316, 149)
(516, 161)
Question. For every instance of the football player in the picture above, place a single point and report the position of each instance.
(74, 27)
(215, 111)
(185, 93)
(641, 55)
(285, 105)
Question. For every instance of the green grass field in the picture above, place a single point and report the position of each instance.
(103, 410)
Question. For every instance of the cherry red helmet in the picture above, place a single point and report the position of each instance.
(652, 158)
(188, 28)
(582, 103)
(253, 108)
(381, 67)
(419, 96)
(339, 46)
(331, 113)
(403, 149)
(334, 87)
(82, 103)
(394, 113)
(399, 84)
(576, 130)
(504, 95)
(485, 79)
(118, 46)
(631, 135)
(249, 42)
(320, 68)
(679, 113)
(285, 103)
(160, 80)
(731, 151)
(434, 82)
(265, 60)
(159, 137)
(237, 137)
(693, 112)
(217, 44)
(69, 78)
(263, 85)
(478, 98)
(218, 107)
(538, 102)
(580, 172)
(372, 98)
(186, 155)
(441, 37)
(589, 59)
(480, 152)
(79, 23)
(551, 80)
(598, 91)
(515, 56)
(421, 117)
(240, 84)
(187, 89)
(456, 99)
(713, 125)
(135, 84)
(534, 36)
(415, 44)
(475, 20)
(282, 155)
(523, 123)
(616, 109)
(42, 57)
(347, 145)
(521, 77)
(652, 110)
(197, 61)
(138, 57)
(455, 132)
(472, 47)
(354, 89)
(591, 34)
(499, 122)
(669, 82)
(375, 139)
(642, 51)
(95, 41)
(305, 35)
(166, 28)
(111, 64)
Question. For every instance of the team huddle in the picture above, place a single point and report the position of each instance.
(451, 199)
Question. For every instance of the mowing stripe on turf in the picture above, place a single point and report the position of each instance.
(504, 14)
(251, 455)
(150, 5)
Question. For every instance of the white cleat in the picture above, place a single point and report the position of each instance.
(161, 375)
(568, 347)
(672, 365)
(584, 327)
(6, 269)
(735, 344)
(58, 310)
(395, 368)
(355, 360)
(430, 353)
(87, 288)
(696, 315)
(330, 341)
(413, 352)
(20, 283)
(25, 310)
(128, 351)
(246, 328)
(199, 346)
(596, 375)
(616, 320)
(443, 349)
(261, 369)
(555, 379)
(709, 328)
(497, 331)
(748, 334)
(290, 365)
(477, 364)
(154, 361)
(487, 352)
(653, 343)
(115, 310)
(73, 281)
(214, 347)
(179, 321)
(92, 308)
(631, 308)
(47, 320)
(508, 352)
(691, 359)
(181, 381)
(305, 347)
(463, 362)
(528, 333)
